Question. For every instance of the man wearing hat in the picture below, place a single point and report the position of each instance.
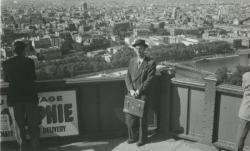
(19, 71)
(139, 79)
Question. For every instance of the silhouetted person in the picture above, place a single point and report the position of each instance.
(244, 113)
(139, 79)
(19, 71)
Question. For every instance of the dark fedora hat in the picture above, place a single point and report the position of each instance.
(139, 42)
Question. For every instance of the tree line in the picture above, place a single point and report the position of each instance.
(234, 78)
(79, 63)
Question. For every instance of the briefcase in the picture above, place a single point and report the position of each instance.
(133, 106)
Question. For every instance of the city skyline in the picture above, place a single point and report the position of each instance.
(78, 37)
(127, 2)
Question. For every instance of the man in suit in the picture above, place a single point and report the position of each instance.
(19, 71)
(244, 113)
(139, 79)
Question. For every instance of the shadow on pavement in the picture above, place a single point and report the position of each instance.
(90, 145)
(155, 138)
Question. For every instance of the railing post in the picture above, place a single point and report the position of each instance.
(209, 109)
(165, 97)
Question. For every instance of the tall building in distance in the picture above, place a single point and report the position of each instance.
(175, 12)
(84, 6)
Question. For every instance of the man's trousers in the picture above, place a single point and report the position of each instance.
(137, 127)
(27, 112)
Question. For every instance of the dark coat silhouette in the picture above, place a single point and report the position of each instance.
(19, 71)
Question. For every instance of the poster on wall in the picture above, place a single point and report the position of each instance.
(58, 114)
(6, 123)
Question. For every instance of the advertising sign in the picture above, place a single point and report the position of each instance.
(58, 114)
(6, 122)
